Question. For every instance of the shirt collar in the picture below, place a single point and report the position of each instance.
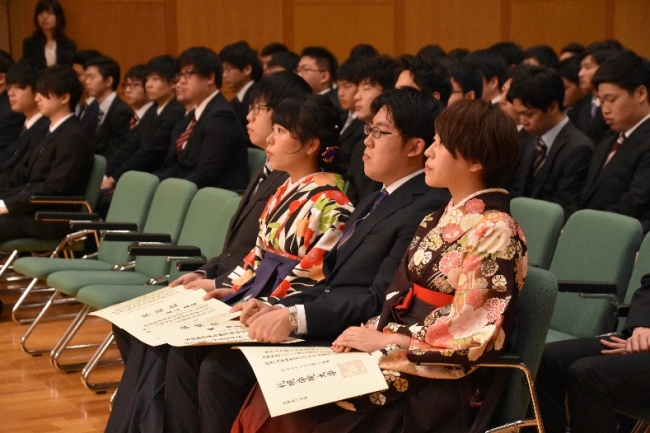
(142, 110)
(243, 90)
(106, 103)
(160, 108)
(53, 127)
(549, 136)
(199, 108)
(35, 118)
(393, 186)
(632, 129)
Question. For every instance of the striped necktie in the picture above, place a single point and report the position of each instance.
(540, 155)
(133, 122)
(615, 147)
(182, 139)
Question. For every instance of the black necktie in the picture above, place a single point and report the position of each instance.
(350, 230)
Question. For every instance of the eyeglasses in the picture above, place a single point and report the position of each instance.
(376, 132)
(300, 69)
(131, 85)
(186, 75)
(257, 108)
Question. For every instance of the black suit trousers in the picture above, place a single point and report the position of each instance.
(595, 384)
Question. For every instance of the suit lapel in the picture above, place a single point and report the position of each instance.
(547, 167)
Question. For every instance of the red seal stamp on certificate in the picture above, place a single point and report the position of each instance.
(351, 368)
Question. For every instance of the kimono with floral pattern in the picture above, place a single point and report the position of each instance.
(474, 251)
(301, 221)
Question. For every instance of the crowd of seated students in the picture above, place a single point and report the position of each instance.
(580, 118)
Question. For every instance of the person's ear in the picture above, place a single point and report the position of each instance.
(471, 95)
(248, 70)
(312, 145)
(415, 146)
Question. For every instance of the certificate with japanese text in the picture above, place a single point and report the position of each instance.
(296, 378)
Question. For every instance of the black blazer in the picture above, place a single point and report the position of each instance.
(623, 185)
(561, 178)
(146, 146)
(639, 315)
(59, 166)
(34, 51)
(11, 124)
(596, 129)
(348, 139)
(215, 153)
(88, 117)
(13, 169)
(241, 108)
(358, 273)
(112, 132)
(516, 179)
(244, 226)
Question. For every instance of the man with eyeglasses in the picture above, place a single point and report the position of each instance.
(208, 146)
(318, 67)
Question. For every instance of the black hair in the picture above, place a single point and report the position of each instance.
(137, 72)
(363, 52)
(277, 87)
(431, 52)
(273, 48)
(59, 80)
(349, 71)
(412, 112)
(324, 59)
(428, 75)
(573, 47)
(382, 70)
(309, 116)
(544, 54)
(22, 74)
(285, 59)
(467, 76)
(489, 64)
(570, 68)
(50, 6)
(107, 67)
(83, 56)
(164, 66)
(239, 55)
(205, 62)
(625, 69)
(6, 61)
(538, 87)
(457, 53)
(600, 51)
(511, 52)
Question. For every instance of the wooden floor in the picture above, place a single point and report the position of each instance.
(34, 396)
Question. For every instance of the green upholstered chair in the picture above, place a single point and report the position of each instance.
(130, 206)
(45, 246)
(165, 219)
(595, 247)
(256, 159)
(541, 222)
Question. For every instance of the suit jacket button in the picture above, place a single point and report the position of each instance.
(228, 254)
(327, 289)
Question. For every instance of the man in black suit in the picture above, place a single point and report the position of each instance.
(208, 147)
(318, 67)
(555, 165)
(492, 67)
(87, 107)
(111, 123)
(241, 68)
(11, 123)
(21, 82)
(620, 167)
(425, 75)
(59, 166)
(598, 375)
(357, 272)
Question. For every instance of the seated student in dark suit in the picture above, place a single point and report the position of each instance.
(376, 75)
(347, 83)
(48, 45)
(575, 97)
(357, 272)
(59, 166)
(589, 118)
(424, 75)
(282, 61)
(113, 116)
(147, 142)
(598, 375)
(492, 68)
(620, 167)
(11, 122)
(466, 82)
(87, 107)
(21, 82)
(318, 67)
(556, 169)
(208, 146)
(268, 51)
(241, 69)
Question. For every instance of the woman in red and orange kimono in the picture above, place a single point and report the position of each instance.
(452, 300)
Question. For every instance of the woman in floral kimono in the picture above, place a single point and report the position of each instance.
(452, 300)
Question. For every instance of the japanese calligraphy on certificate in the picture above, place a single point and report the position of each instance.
(296, 378)
(145, 316)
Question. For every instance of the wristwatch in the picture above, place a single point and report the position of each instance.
(293, 318)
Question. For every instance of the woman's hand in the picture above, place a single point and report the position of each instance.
(183, 280)
(218, 293)
(202, 283)
(367, 340)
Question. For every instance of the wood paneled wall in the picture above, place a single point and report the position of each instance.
(134, 30)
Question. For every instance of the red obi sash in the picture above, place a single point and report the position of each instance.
(431, 297)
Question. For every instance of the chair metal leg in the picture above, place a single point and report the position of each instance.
(112, 400)
(23, 340)
(94, 362)
(62, 344)
(641, 427)
(8, 264)
(20, 301)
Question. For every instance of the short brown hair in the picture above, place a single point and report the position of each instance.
(481, 133)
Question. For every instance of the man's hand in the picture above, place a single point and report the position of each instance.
(271, 326)
(217, 293)
(639, 342)
(183, 280)
(201, 283)
(252, 309)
